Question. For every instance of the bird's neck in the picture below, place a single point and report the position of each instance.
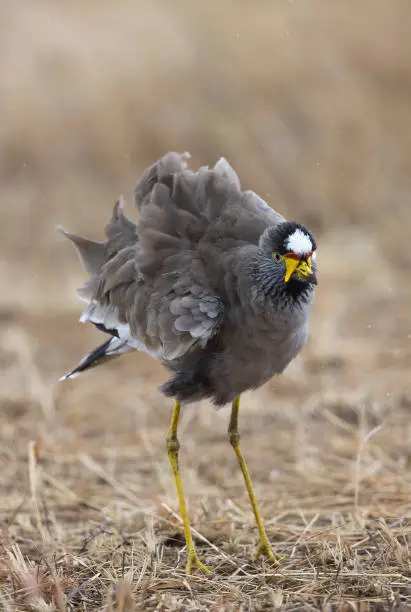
(272, 292)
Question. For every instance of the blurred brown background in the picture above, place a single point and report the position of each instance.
(310, 101)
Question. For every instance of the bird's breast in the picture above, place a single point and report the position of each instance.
(254, 354)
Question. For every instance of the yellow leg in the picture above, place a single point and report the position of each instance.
(264, 547)
(173, 447)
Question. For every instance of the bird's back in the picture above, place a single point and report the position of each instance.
(206, 206)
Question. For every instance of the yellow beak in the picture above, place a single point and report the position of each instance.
(303, 269)
(291, 265)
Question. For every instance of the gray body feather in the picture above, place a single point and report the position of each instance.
(194, 283)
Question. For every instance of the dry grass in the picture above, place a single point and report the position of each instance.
(310, 100)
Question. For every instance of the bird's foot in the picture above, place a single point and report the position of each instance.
(193, 562)
(264, 549)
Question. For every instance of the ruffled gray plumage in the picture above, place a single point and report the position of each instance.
(185, 283)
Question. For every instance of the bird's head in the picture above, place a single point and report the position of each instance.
(292, 247)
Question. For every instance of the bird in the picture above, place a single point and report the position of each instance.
(210, 280)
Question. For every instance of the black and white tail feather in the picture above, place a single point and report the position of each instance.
(104, 318)
(106, 351)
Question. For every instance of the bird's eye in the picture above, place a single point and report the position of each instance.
(277, 257)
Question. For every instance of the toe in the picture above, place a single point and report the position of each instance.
(264, 549)
(193, 562)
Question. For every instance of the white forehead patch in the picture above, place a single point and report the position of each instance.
(299, 242)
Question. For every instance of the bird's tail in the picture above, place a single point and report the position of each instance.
(109, 350)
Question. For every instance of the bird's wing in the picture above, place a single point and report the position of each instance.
(182, 310)
(164, 312)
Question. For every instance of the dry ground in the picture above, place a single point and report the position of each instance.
(311, 102)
